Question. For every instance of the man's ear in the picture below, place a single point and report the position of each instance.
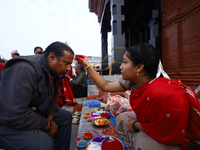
(51, 57)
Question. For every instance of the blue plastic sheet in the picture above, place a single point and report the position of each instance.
(114, 124)
(92, 103)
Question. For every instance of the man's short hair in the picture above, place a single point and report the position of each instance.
(57, 48)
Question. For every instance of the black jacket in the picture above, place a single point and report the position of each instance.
(28, 93)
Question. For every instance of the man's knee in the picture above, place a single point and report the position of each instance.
(43, 142)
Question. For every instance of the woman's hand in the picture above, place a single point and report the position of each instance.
(137, 125)
(82, 60)
(129, 125)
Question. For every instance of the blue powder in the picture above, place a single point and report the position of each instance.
(82, 144)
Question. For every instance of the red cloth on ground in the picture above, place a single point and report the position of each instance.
(162, 109)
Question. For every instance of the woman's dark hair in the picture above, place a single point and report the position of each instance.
(144, 54)
(37, 48)
(57, 48)
(79, 66)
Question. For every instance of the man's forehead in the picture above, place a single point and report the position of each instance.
(68, 56)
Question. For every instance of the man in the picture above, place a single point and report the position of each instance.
(14, 54)
(28, 98)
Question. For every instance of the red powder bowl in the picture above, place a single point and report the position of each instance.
(105, 115)
(114, 144)
(87, 135)
(87, 113)
(87, 116)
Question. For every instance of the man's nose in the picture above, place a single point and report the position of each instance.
(69, 67)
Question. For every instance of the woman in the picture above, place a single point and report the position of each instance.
(160, 107)
(79, 83)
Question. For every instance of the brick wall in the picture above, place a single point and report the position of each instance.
(181, 40)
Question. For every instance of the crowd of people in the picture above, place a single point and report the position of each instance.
(165, 114)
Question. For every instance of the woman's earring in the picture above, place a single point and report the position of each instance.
(137, 73)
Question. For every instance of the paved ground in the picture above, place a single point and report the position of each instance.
(74, 126)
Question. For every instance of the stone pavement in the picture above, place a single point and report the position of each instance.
(74, 126)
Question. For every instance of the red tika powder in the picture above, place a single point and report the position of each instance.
(105, 115)
(88, 135)
(115, 145)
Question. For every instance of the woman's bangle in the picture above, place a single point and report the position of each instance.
(49, 127)
(88, 66)
(134, 127)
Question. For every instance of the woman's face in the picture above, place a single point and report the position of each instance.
(128, 70)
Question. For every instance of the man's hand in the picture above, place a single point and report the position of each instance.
(50, 117)
(51, 128)
(129, 125)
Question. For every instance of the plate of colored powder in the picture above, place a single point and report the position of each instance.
(112, 143)
(105, 143)
(81, 144)
(88, 135)
(105, 115)
(86, 116)
(100, 122)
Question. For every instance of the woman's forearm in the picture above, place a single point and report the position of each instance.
(102, 83)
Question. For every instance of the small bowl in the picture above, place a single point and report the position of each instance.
(86, 116)
(90, 119)
(81, 144)
(88, 135)
(93, 111)
(87, 113)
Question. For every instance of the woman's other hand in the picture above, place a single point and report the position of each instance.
(129, 125)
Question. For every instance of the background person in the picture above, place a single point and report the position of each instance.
(14, 54)
(161, 110)
(28, 99)
(79, 83)
(38, 50)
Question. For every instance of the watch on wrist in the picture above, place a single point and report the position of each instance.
(133, 126)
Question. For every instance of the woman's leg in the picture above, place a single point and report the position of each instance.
(25, 139)
(62, 136)
(139, 140)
